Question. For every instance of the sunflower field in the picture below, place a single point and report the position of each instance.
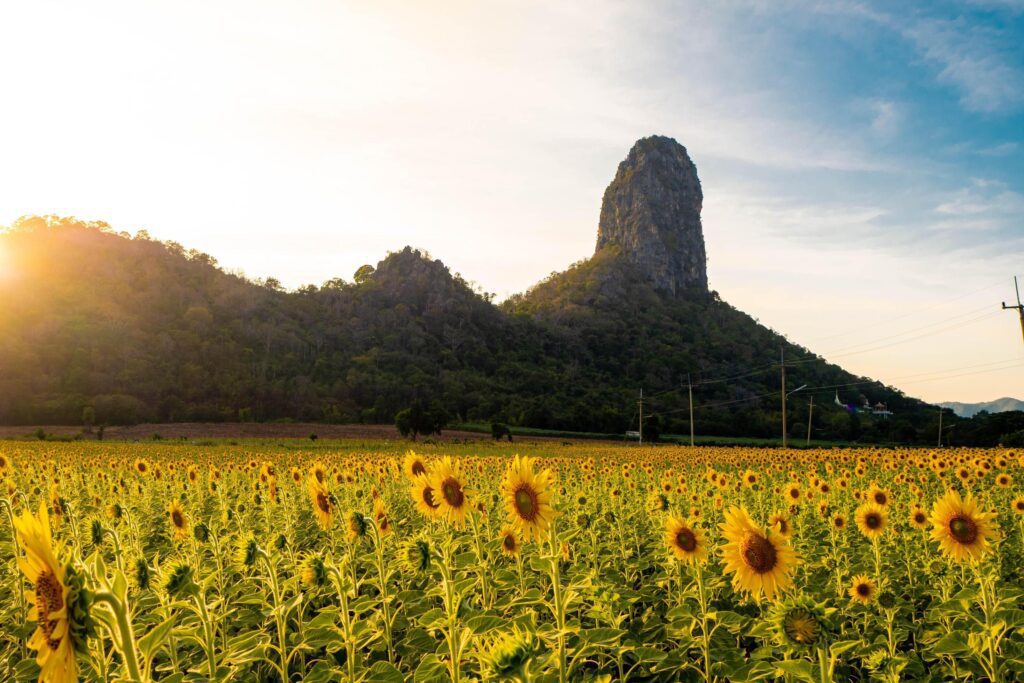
(346, 561)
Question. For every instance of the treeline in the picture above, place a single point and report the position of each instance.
(116, 329)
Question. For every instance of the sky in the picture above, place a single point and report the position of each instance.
(861, 162)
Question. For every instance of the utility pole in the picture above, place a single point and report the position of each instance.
(640, 403)
(689, 386)
(940, 427)
(1018, 307)
(810, 416)
(782, 365)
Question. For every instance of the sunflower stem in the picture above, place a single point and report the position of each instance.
(124, 636)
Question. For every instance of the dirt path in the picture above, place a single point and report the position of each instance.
(238, 430)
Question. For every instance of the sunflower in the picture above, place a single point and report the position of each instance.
(449, 492)
(760, 561)
(54, 637)
(963, 532)
(323, 505)
(528, 498)
(179, 521)
(872, 520)
(792, 494)
(510, 541)
(878, 495)
(798, 623)
(380, 515)
(918, 517)
(684, 541)
(414, 465)
(423, 496)
(839, 522)
(1018, 505)
(780, 523)
(862, 589)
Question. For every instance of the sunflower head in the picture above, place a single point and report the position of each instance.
(961, 529)
(862, 589)
(413, 465)
(684, 541)
(510, 545)
(357, 525)
(449, 492)
(507, 656)
(872, 520)
(177, 579)
(761, 562)
(799, 622)
(313, 571)
(416, 556)
(527, 496)
(142, 574)
(248, 552)
(96, 533)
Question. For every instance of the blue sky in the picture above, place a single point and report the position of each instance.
(861, 162)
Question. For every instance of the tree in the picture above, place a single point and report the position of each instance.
(420, 418)
(500, 431)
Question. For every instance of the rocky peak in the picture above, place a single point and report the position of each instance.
(651, 211)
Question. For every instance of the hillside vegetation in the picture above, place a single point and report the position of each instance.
(103, 327)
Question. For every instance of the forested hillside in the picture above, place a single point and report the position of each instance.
(108, 328)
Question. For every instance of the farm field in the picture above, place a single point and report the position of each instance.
(365, 561)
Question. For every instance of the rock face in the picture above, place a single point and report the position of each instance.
(651, 211)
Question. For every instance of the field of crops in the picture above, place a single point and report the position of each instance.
(266, 561)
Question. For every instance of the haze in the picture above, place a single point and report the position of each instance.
(861, 163)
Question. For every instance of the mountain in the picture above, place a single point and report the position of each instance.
(1000, 405)
(107, 327)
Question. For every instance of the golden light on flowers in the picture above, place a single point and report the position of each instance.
(423, 496)
(862, 589)
(527, 498)
(449, 492)
(872, 520)
(52, 640)
(323, 506)
(178, 519)
(780, 522)
(685, 542)
(918, 517)
(1017, 505)
(760, 562)
(509, 541)
(962, 531)
(413, 465)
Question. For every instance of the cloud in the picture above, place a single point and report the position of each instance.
(970, 59)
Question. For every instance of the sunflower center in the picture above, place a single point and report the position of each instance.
(509, 542)
(418, 468)
(919, 518)
(863, 590)
(428, 497)
(782, 525)
(801, 627)
(880, 498)
(176, 519)
(686, 540)
(963, 529)
(452, 492)
(526, 502)
(759, 553)
(49, 599)
(323, 502)
(872, 520)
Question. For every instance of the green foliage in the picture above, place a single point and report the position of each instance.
(161, 334)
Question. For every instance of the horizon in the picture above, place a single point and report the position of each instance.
(860, 164)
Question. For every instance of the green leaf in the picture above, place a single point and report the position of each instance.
(430, 670)
(799, 669)
(151, 642)
(384, 672)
